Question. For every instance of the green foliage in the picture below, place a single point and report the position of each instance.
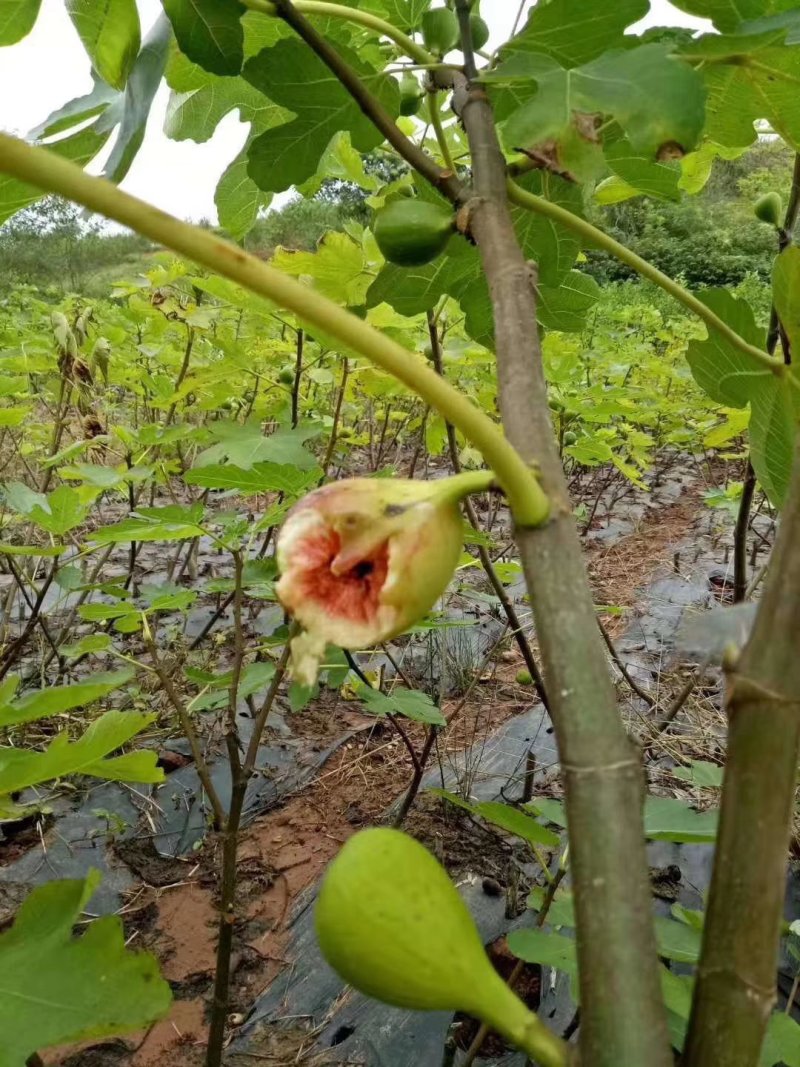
(679, 940)
(291, 76)
(410, 703)
(708, 238)
(705, 243)
(17, 18)
(786, 296)
(111, 36)
(92, 985)
(90, 754)
(299, 225)
(209, 33)
(730, 378)
(748, 78)
(665, 819)
(55, 700)
(506, 817)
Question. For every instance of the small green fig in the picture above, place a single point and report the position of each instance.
(440, 30)
(427, 351)
(523, 678)
(392, 924)
(410, 94)
(286, 376)
(769, 209)
(570, 437)
(412, 232)
(479, 32)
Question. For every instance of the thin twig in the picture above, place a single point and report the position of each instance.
(185, 719)
(648, 698)
(241, 773)
(443, 180)
(298, 372)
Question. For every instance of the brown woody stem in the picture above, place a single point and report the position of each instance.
(444, 180)
(735, 988)
(623, 1021)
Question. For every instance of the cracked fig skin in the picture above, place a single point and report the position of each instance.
(363, 559)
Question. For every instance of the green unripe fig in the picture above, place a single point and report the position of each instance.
(392, 924)
(570, 437)
(523, 678)
(440, 30)
(412, 232)
(479, 31)
(401, 192)
(769, 208)
(428, 352)
(286, 376)
(410, 95)
(555, 405)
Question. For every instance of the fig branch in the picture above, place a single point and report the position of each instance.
(293, 13)
(351, 14)
(623, 1022)
(50, 172)
(735, 987)
(444, 180)
(542, 206)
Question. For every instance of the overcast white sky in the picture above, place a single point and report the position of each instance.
(50, 67)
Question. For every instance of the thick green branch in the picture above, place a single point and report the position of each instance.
(735, 988)
(623, 1020)
(351, 14)
(591, 233)
(56, 175)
